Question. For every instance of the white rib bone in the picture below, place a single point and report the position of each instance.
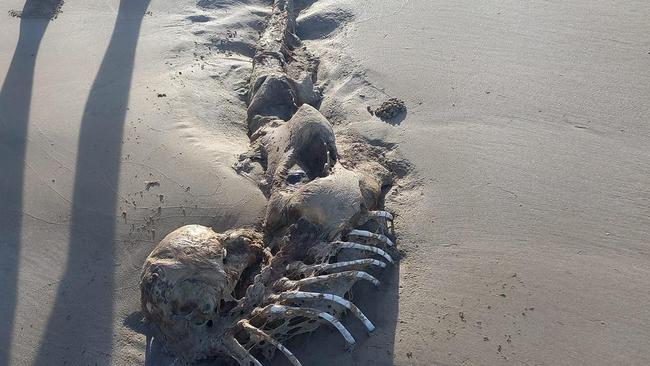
(340, 327)
(334, 298)
(367, 234)
(358, 274)
(380, 214)
(348, 264)
(294, 361)
(282, 309)
(367, 248)
(239, 353)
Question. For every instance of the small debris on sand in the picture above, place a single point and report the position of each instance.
(44, 9)
(390, 108)
(161, 95)
(151, 183)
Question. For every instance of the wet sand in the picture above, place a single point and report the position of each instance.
(525, 227)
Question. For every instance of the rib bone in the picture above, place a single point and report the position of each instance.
(367, 234)
(239, 353)
(366, 262)
(367, 248)
(312, 314)
(334, 298)
(352, 274)
(380, 214)
(260, 334)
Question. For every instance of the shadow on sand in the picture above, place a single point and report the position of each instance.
(326, 347)
(15, 102)
(79, 330)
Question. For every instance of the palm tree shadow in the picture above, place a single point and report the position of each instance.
(79, 330)
(15, 103)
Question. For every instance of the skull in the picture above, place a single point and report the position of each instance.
(192, 280)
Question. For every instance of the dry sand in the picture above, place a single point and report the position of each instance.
(526, 229)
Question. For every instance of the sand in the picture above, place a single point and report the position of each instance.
(525, 222)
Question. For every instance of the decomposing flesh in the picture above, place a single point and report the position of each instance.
(240, 294)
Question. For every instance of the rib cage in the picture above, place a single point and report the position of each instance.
(239, 295)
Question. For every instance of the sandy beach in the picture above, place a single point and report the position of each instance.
(523, 216)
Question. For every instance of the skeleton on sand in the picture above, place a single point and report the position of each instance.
(240, 294)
